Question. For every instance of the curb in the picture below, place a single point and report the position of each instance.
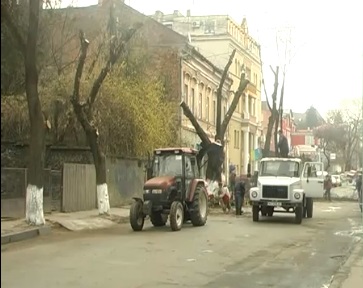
(343, 272)
(25, 235)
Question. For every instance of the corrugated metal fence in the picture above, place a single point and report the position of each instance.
(79, 187)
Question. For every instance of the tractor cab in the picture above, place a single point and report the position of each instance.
(177, 166)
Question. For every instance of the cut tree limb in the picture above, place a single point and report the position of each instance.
(241, 88)
(220, 96)
(198, 129)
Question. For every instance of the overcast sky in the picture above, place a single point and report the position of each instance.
(326, 42)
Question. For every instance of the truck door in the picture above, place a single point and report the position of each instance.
(313, 184)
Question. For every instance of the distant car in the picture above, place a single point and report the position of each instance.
(336, 180)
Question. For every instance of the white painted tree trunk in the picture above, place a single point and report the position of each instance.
(34, 213)
(103, 199)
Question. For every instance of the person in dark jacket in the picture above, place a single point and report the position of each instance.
(239, 195)
(283, 145)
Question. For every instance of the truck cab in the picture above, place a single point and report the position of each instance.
(287, 185)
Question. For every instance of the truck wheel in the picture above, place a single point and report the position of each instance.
(264, 211)
(176, 216)
(199, 207)
(270, 211)
(158, 219)
(137, 218)
(309, 207)
(299, 214)
(255, 213)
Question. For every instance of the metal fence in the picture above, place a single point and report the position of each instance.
(13, 191)
(73, 188)
(79, 187)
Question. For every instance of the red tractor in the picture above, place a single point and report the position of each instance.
(174, 188)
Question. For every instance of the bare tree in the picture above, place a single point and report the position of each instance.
(214, 150)
(28, 48)
(84, 110)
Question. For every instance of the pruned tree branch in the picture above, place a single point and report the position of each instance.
(82, 59)
(199, 130)
(267, 100)
(115, 53)
(237, 95)
(220, 92)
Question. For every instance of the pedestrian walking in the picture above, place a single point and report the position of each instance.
(232, 181)
(224, 195)
(327, 187)
(241, 188)
(283, 145)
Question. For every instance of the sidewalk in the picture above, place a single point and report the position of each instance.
(351, 273)
(13, 230)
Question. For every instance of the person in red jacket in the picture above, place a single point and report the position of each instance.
(328, 184)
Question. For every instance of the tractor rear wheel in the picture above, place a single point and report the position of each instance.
(199, 207)
(137, 218)
(176, 216)
(158, 219)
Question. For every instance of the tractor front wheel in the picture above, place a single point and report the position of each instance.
(176, 216)
(199, 207)
(137, 218)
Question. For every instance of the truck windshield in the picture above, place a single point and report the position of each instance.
(167, 165)
(279, 168)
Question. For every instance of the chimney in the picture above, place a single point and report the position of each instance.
(188, 13)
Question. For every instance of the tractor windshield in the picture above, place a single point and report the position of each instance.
(279, 168)
(168, 165)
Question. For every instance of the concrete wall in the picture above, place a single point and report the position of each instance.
(125, 179)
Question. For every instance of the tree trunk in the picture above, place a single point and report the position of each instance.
(267, 147)
(34, 214)
(103, 202)
(276, 140)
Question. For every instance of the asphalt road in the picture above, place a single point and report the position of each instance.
(227, 252)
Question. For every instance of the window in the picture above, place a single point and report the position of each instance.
(192, 100)
(214, 112)
(207, 110)
(248, 73)
(280, 168)
(186, 93)
(200, 106)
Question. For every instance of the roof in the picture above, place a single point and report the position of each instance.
(186, 150)
(280, 159)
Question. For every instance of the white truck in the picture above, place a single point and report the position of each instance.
(287, 185)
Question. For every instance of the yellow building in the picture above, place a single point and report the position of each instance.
(216, 37)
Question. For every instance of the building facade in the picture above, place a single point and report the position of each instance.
(216, 37)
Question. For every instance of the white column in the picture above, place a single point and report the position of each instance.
(246, 104)
(255, 147)
(246, 155)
